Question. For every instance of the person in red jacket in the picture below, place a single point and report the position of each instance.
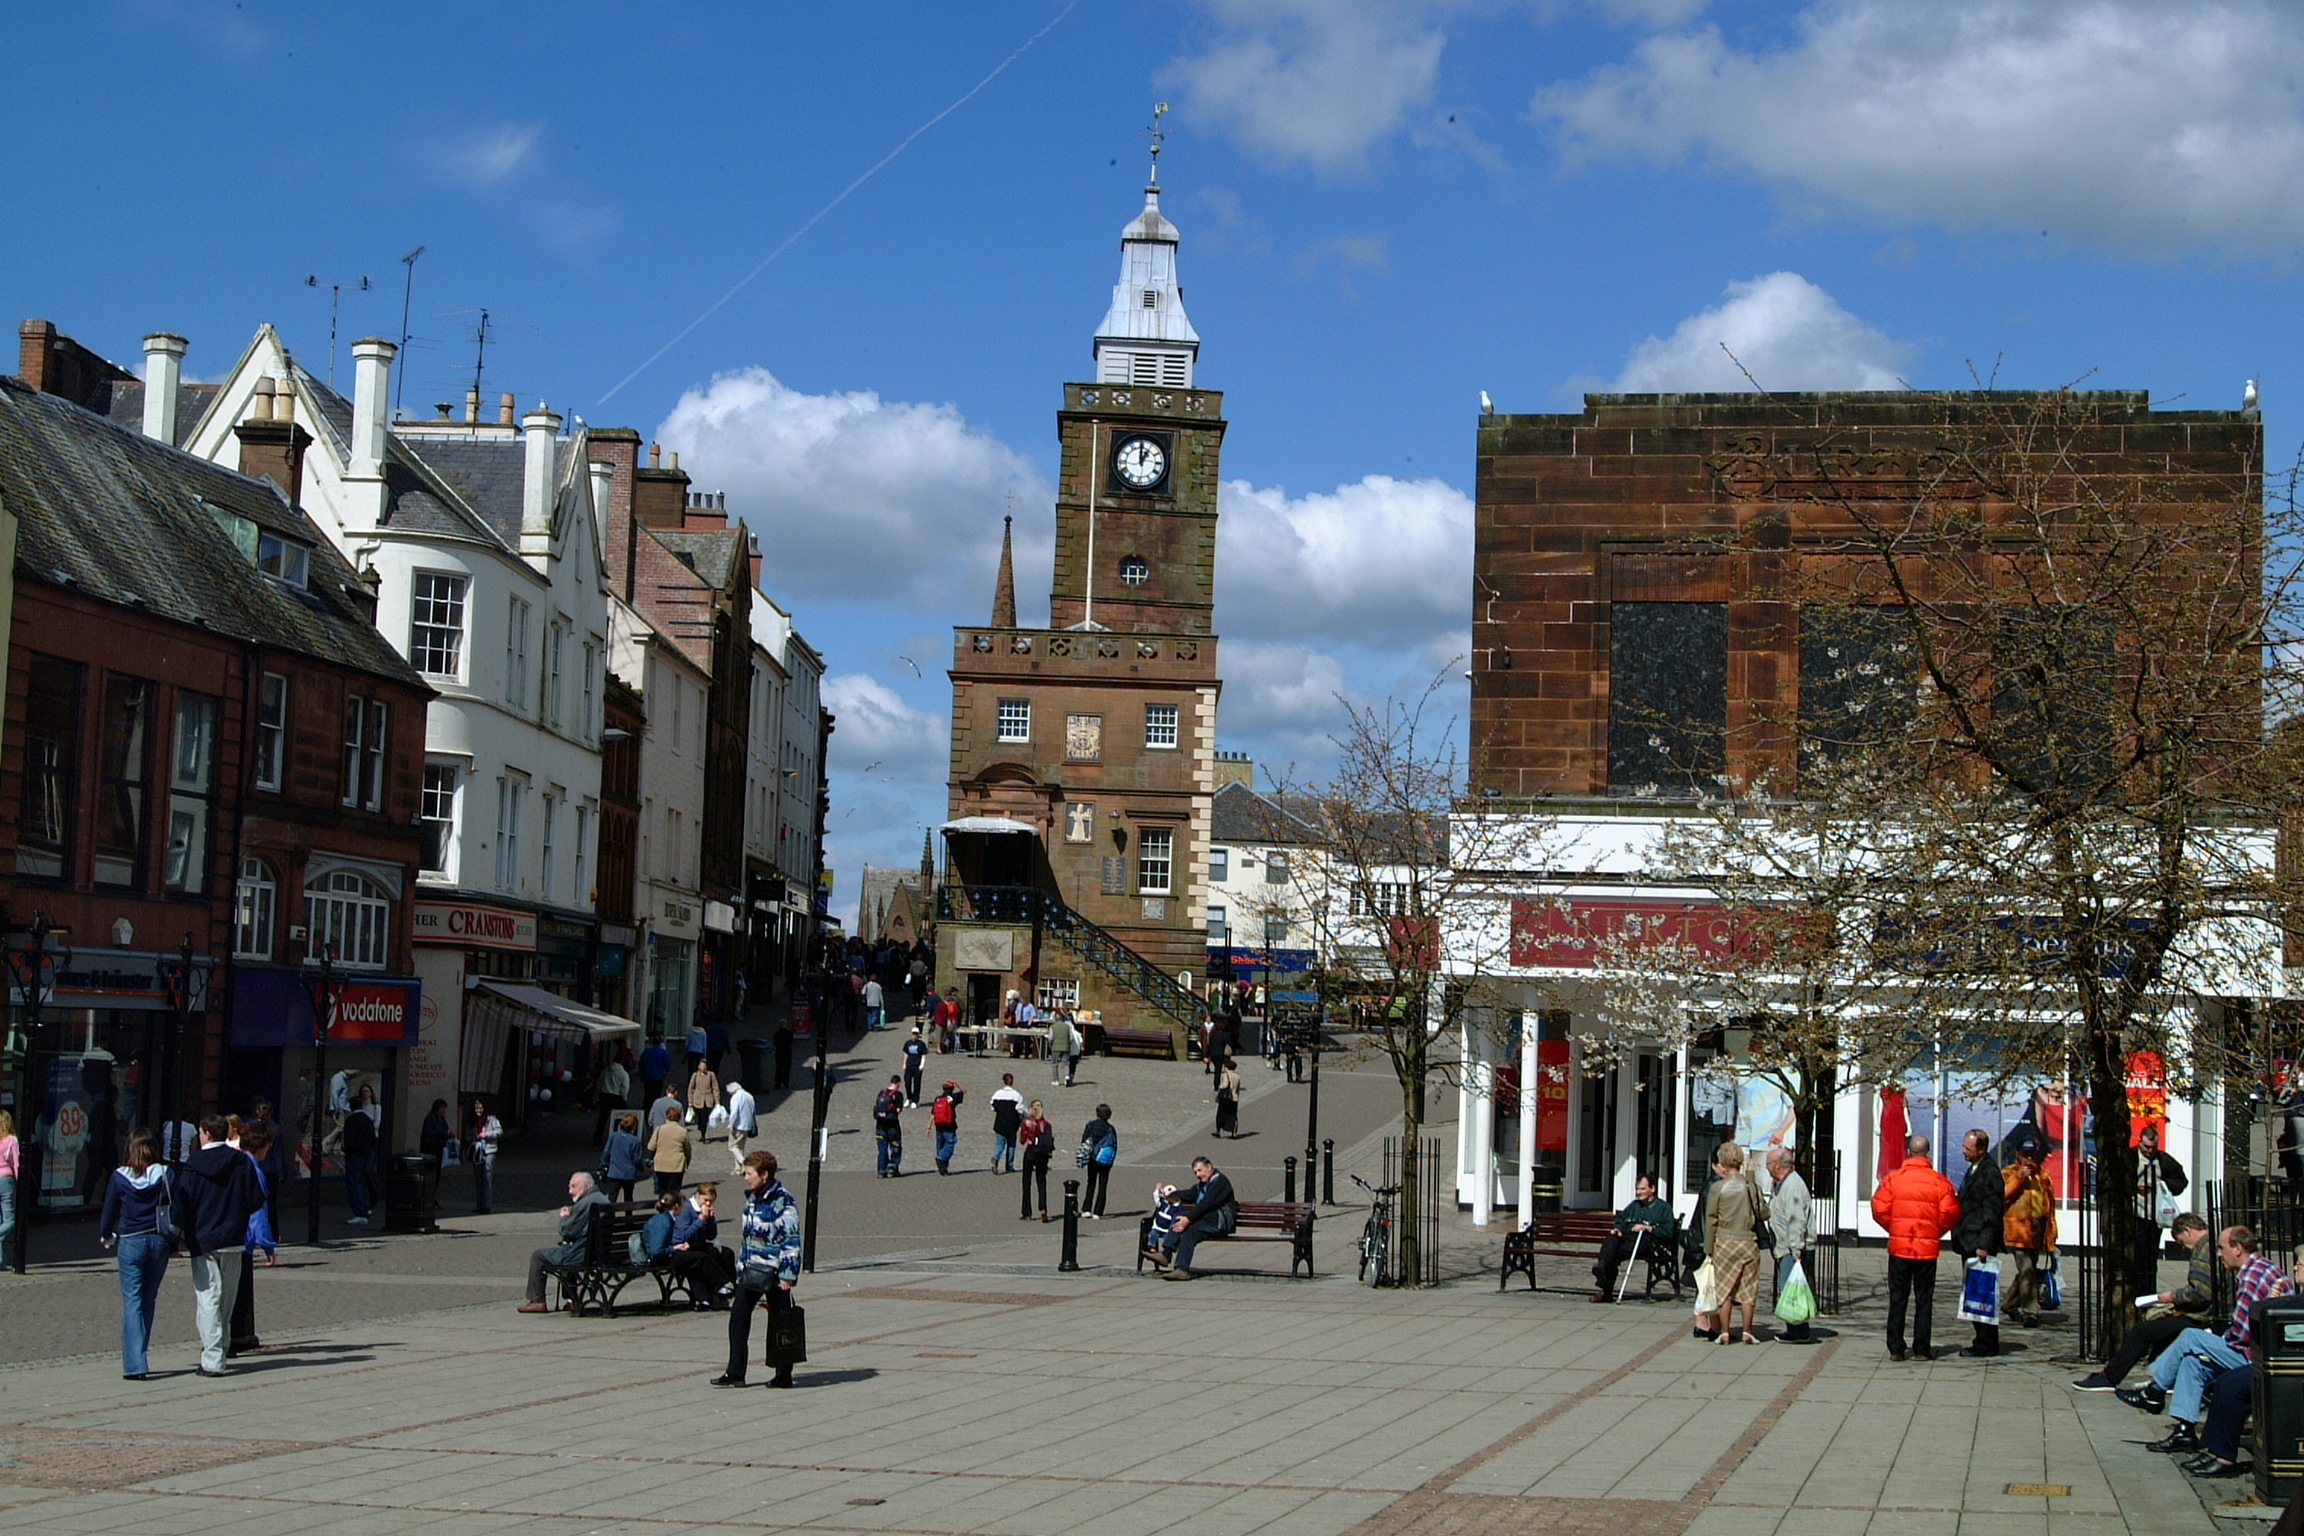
(1918, 1206)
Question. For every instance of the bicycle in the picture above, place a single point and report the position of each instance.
(1376, 1236)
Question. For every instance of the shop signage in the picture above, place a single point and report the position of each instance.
(1573, 934)
(677, 917)
(719, 917)
(468, 925)
(274, 1008)
(110, 978)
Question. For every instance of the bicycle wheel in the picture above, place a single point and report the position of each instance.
(1367, 1246)
(1381, 1259)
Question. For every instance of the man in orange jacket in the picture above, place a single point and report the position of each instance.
(1918, 1206)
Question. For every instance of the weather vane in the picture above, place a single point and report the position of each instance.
(1156, 133)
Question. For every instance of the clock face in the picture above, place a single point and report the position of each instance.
(1140, 462)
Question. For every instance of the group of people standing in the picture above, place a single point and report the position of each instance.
(211, 1207)
(1023, 1139)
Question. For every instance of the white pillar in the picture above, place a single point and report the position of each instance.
(1680, 1137)
(1525, 1180)
(1482, 1157)
(538, 428)
(371, 402)
(163, 381)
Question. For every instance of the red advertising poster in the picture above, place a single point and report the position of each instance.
(2147, 1095)
(803, 1021)
(1552, 1096)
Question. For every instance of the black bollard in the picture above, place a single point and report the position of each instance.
(1070, 1260)
(1327, 1171)
(1288, 1188)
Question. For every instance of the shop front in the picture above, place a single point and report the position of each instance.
(675, 929)
(716, 971)
(536, 1049)
(378, 1019)
(457, 943)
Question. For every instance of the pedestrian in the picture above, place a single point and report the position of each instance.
(212, 1197)
(359, 1157)
(255, 1145)
(611, 1091)
(945, 1016)
(1917, 1205)
(743, 993)
(944, 1115)
(1978, 1233)
(875, 1005)
(1061, 1035)
(135, 1197)
(1228, 1100)
(655, 1070)
(1075, 1050)
(1039, 1141)
(693, 1252)
(584, 1197)
(274, 1164)
(703, 1096)
(1731, 1223)
(767, 1268)
(1209, 1210)
(2182, 1371)
(1007, 1115)
(915, 1064)
(433, 1139)
(11, 1158)
(1792, 1220)
(2159, 1180)
(781, 1040)
(667, 1106)
(1099, 1150)
(623, 1159)
(888, 1128)
(2028, 1232)
(698, 1041)
(487, 1135)
(1646, 1226)
(668, 1151)
(2191, 1305)
(743, 1120)
(717, 1044)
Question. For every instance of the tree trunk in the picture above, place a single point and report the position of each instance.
(2116, 1221)
(1407, 1237)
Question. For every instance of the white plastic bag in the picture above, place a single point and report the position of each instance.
(1707, 1300)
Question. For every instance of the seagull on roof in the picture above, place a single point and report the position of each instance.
(1487, 406)
(2248, 396)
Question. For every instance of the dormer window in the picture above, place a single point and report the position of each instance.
(285, 559)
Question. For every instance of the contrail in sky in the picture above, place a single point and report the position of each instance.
(818, 217)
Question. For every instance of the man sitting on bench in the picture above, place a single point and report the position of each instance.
(1646, 1224)
(1209, 1211)
(575, 1230)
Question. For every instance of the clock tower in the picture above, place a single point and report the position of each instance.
(1083, 755)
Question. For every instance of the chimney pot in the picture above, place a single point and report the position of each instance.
(655, 456)
(675, 459)
(260, 403)
(504, 408)
(163, 384)
(443, 407)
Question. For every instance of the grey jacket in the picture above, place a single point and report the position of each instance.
(575, 1227)
(1792, 1215)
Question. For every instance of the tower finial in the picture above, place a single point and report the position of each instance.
(1004, 594)
(1156, 133)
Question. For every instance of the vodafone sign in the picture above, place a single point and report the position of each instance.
(468, 925)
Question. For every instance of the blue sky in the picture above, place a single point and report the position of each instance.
(1386, 208)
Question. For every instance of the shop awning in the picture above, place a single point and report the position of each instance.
(995, 824)
(493, 1010)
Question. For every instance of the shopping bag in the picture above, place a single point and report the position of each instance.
(788, 1337)
(2051, 1287)
(1706, 1299)
(1795, 1299)
(1980, 1292)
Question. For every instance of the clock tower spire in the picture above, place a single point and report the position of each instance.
(1145, 337)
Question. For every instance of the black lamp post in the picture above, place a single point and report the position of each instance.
(816, 1138)
(325, 985)
(185, 980)
(32, 967)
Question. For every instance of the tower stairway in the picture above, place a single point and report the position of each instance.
(1046, 912)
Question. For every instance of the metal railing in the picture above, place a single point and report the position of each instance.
(1428, 1218)
(1047, 912)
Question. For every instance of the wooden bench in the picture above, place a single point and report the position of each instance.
(1159, 1040)
(1260, 1221)
(1578, 1235)
(607, 1266)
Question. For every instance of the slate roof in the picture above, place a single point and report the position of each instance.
(488, 475)
(1243, 816)
(127, 520)
(192, 400)
(713, 554)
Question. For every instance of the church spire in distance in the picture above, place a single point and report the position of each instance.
(1145, 337)
(1004, 593)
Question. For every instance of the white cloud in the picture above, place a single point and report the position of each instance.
(1789, 333)
(880, 737)
(1380, 562)
(1279, 686)
(855, 496)
(1313, 81)
(492, 154)
(2141, 125)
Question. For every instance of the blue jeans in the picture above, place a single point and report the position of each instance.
(891, 1152)
(2185, 1368)
(1004, 1146)
(143, 1262)
(356, 1185)
(7, 1213)
(947, 1143)
(872, 1018)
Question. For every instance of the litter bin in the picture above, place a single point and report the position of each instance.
(1547, 1189)
(2277, 1330)
(759, 1058)
(405, 1207)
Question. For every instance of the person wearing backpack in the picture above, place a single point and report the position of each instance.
(944, 1114)
(888, 1128)
(1099, 1150)
(135, 1226)
(211, 1198)
(1039, 1139)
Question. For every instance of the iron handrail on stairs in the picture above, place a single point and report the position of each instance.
(1046, 910)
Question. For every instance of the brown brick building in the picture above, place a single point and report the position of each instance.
(1083, 755)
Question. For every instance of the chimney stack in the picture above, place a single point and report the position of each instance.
(472, 406)
(163, 384)
(655, 450)
(36, 354)
(271, 444)
(504, 409)
(603, 493)
(371, 405)
(753, 556)
(539, 428)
